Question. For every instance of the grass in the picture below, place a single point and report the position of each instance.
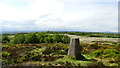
(57, 62)
(68, 59)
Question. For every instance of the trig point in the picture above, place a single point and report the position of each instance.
(75, 49)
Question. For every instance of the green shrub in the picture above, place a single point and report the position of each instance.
(18, 39)
(96, 64)
(58, 38)
(49, 39)
(111, 53)
(116, 45)
(65, 39)
(5, 39)
(41, 37)
(5, 54)
(106, 51)
(31, 38)
(39, 50)
(96, 53)
(5, 46)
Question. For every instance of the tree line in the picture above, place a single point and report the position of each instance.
(40, 37)
(95, 34)
(89, 34)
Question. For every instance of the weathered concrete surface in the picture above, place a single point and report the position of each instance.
(75, 48)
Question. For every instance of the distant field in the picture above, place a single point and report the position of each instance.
(90, 39)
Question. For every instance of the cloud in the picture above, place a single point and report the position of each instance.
(30, 11)
(73, 1)
(59, 15)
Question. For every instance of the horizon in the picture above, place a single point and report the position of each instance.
(55, 15)
(14, 32)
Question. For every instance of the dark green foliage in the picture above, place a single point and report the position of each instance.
(31, 38)
(5, 39)
(67, 64)
(107, 53)
(98, 64)
(96, 53)
(5, 54)
(66, 39)
(116, 45)
(7, 34)
(58, 38)
(21, 38)
(111, 53)
(49, 39)
(52, 37)
(94, 34)
(14, 41)
(41, 36)
(18, 39)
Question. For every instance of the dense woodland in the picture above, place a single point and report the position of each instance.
(50, 49)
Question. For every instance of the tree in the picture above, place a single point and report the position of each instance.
(5, 39)
(65, 39)
(41, 36)
(49, 39)
(31, 38)
(14, 41)
(58, 38)
(18, 39)
(21, 38)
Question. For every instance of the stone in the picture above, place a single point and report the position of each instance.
(75, 48)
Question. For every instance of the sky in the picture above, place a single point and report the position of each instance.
(59, 15)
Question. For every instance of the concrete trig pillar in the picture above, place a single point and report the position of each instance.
(75, 48)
